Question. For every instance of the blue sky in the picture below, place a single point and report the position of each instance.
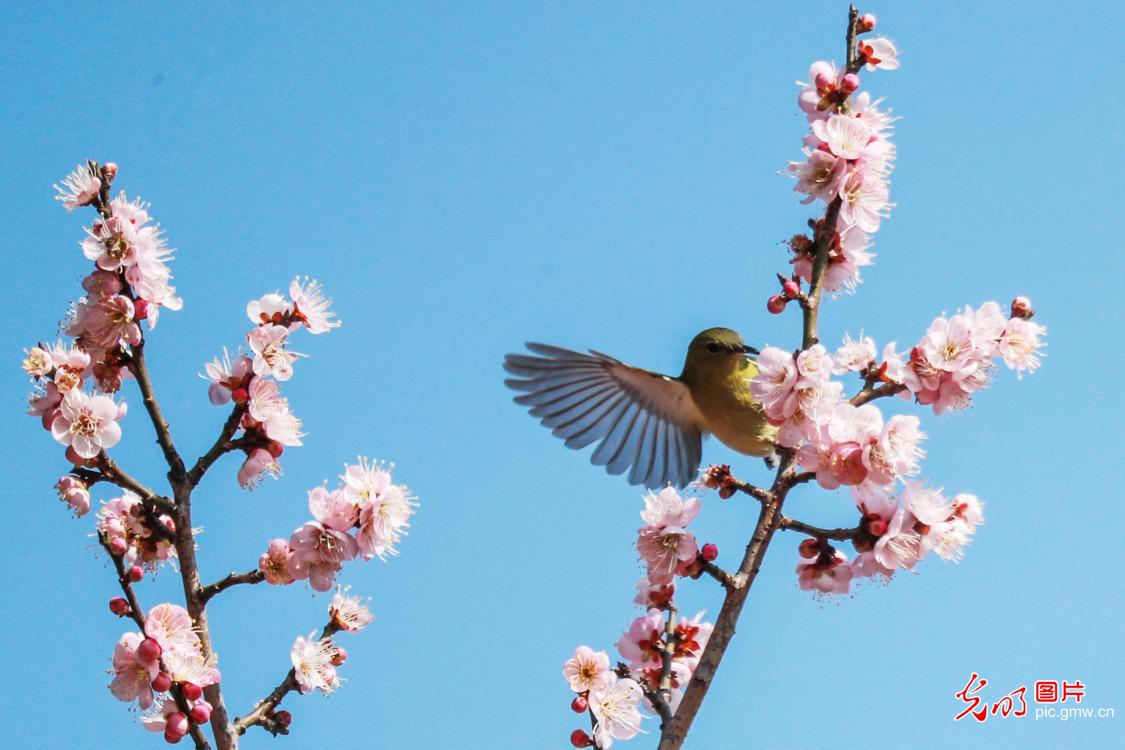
(465, 177)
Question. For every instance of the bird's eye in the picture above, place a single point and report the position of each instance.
(713, 348)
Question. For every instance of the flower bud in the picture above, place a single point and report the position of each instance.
(176, 723)
(867, 22)
(849, 83)
(275, 448)
(136, 573)
(191, 691)
(148, 651)
(791, 289)
(140, 309)
(109, 171)
(239, 396)
(118, 606)
(726, 493)
(161, 682)
(579, 738)
(709, 552)
(878, 527)
(200, 713)
(172, 738)
(1021, 308)
(809, 549)
(339, 657)
(776, 304)
(117, 546)
(283, 718)
(823, 83)
(579, 704)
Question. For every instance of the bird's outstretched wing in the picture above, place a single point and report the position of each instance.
(641, 420)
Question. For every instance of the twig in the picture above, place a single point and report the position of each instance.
(871, 393)
(222, 445)
(840, 535)
(233, 579)
(762, 496)
(717, 573)
(262, 713)
(667, 652)
(163, 433)
(114, 474)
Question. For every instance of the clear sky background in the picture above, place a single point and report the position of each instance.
(465, 177)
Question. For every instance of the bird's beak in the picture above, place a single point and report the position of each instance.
(747, 349)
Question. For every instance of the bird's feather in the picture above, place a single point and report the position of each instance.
(644, 422)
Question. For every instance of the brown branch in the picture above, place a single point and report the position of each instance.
(163, 433)
(233, 579)
(222, 445)
(762, 496)
(263, 711)
(674, 733)
(839, 535)
(114, 474)
(870, 393)
(664, 686)
(720, 575)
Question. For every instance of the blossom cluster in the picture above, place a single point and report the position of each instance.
(366, 516)
(164, 670)
(315, 659)
(129, 532)
(252, 380)
(613, 697)
(896, 531)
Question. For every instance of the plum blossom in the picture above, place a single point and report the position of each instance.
(774, 384)
(321, 546)
(312, 664)
(171, 626)
(79, 188)
(226, 375)
(651, 594)
(267, 342)
(74, 492)
(901, 545)
(270, 309)
(641, 644)
(310, 306)
(258, 463)
(1020, 345)
(865, 200)
(825, 574)
(265, 399)
(274, 563)
(38, 362)
(88, 424)
(664, 548)
(348, 612)
(821, 95)
(105, 323)
(845, 136)
(853, 356)
(879, 53)
(819, 177)
(132, 678)
(667, 508)
(587, 670)
(384, 508)
(190, 666)
(616, 709)
(124, 528)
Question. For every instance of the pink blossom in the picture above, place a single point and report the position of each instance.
(616, 709)
(968, 508)
(132, 678)
(774, 384)
(319, 550)
(865, 200)
(365, 481)
(587, 670)
(949, 346)
(310, 306)
(664, 548)
(111, 243)
(667, 508)
(74, 492)
(45, 405)
(265, 399)
(819, 97)
(383, 522)
(88, 424)
(312, 664)
(171, 626)
(651, 594)
(1020, 345)
(640, 645)
(157, 719)
(853, 356)
(106, 323)
(819, 177)
(79, 188)
(274, 563)
(879, 53)
(122, 522)
(226, 375)
(284, 428)
(258, 463)
(267, 342)
(38, 362)
(896, 451)
(190, 666)
(900, 547)
(349, 613)
(866, 566)
(269, 309)
(845, 136)
(333, 509)
(831, 576)
(814, 365)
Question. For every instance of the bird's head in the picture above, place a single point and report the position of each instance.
(713, 350)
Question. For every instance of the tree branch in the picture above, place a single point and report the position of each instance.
(263, 711)
(840, 535)
(233, 579)
(870, 393)
(726, 579)
(222, 445)
(163, 434)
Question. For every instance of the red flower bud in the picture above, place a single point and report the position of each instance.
(191, 691)
(579, 738)
(239, 396)
(339, 657)
(140, 309)
(709, 552)
(109, 171)
(1021, 308)
(867, 22)
(283, 718)
(148, 651)
(161, 682)
(809, 548)
(200, 713)
(136, 573)
(791, 289)
(118, 606)
(776, 304)
(849, 83)
(579, 704)
(878, 527)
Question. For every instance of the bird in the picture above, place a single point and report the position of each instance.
(650, 424)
